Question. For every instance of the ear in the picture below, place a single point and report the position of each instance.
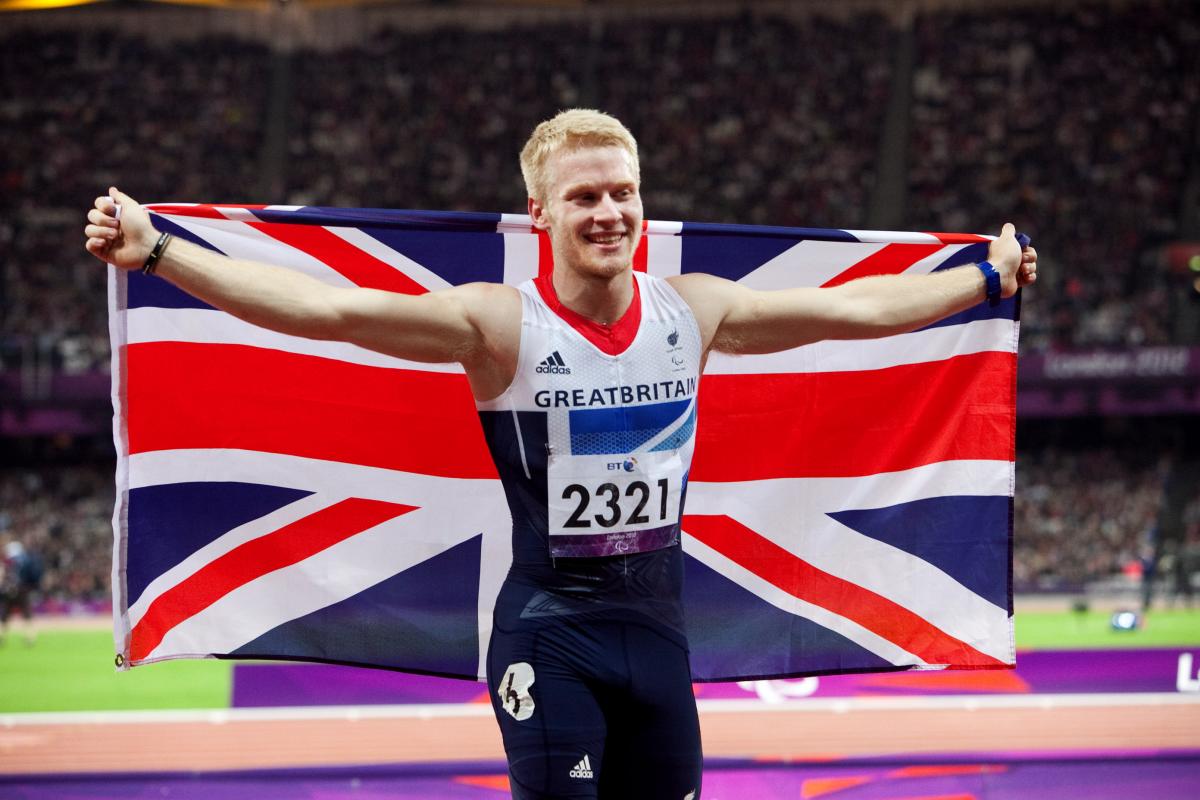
(537, 212)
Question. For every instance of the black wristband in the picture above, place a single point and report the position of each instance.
(156, 253)
(992, 279)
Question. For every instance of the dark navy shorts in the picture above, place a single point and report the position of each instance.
(595, 710)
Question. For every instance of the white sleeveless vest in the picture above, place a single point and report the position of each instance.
(620, 429)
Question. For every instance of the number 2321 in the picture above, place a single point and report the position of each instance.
(633, 501)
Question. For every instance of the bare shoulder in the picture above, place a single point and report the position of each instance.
(493, 308)
(482, 293)
(494, 311)
(699, 283)
(705, 292)
(709, 297)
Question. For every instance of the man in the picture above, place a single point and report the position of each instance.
(21, 573)
(585, 383)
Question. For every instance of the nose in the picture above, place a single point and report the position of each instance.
(607, 210)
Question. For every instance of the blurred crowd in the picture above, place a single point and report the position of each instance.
(1026, 114)
(1083, 514)
(1076, 123)
(177, 122)
(63, 515)
(761, 121)
(1080, 125)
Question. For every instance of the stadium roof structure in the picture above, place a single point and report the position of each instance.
(34, 5)
(808, 5)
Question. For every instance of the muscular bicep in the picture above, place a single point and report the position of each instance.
(771, 321)
(452, 325)
(740, 320)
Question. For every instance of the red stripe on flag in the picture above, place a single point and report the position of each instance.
(802, 580)
(185, 395)
(356, 264)
(207, 212)
(545, 253)
(641, 255)
(842, 424)
(958, 238)
(289, 545)
(891, 259)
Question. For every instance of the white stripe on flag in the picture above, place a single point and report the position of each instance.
(330, 576)
(164, 467)
(520, 257)
(814, 263)
(335, 480)
(245, 242)
(495, 559)
(809, 263)
(907, 237)
(205, 326)
(238, 214)
(663, 227)
(229, 541)
(918, 347)
(395, 259)
(794, 514)
(932, 262)
(514, 223)
(866, 639)
(664, 255)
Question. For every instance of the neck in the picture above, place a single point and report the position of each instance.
(601, 299)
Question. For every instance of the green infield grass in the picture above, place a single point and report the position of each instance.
(1071, 630)
(72, 670)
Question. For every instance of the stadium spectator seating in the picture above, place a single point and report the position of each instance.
(1029, 114)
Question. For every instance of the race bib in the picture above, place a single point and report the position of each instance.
(601, 505)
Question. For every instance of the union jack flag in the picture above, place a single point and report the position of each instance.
(849, 506)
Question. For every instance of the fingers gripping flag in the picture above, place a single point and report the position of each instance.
(849, 505)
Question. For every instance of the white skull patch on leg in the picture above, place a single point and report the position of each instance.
(514, 691)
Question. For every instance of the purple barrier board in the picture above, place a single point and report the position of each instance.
(1040, 672)
(283, 684)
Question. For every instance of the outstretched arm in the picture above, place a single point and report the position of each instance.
(736, 319)
(444, 326)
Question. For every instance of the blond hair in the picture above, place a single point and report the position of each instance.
(576, 127)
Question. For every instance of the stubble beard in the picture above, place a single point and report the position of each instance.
(598, 266)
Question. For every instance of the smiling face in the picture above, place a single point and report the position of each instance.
(592, 210)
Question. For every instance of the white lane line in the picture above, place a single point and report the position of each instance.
(953, 702)
(230, 715)
(458, 710)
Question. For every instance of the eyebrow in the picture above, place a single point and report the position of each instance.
(575, 188)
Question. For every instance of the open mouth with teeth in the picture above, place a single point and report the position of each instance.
(605, 239)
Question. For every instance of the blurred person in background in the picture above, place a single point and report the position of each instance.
(1184, 562)
(21, 578)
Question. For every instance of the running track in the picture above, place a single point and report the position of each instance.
(813, 730)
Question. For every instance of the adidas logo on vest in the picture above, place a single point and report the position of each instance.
(583, 769)
(553, 364)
